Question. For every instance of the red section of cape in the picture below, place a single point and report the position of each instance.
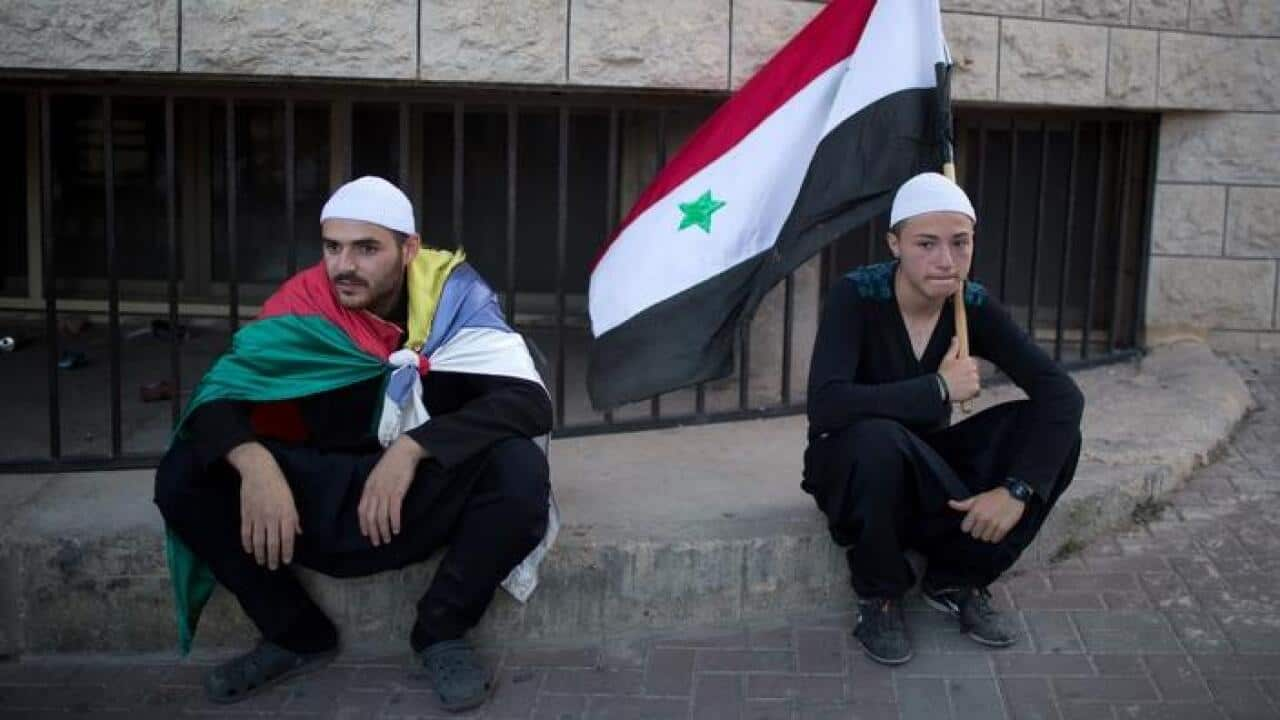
(310, 293)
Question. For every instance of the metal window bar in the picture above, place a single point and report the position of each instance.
(49, 259)
(171, 228)
(1122, 199)
(1098, 199)
(1135, 139)
(290, 186)
(513, 157)
(1010, 207)
(113, 276)
(233, 260)
(562, 235)
(1065, 260)
(1033, 294)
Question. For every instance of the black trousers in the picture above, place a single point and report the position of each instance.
(491, 511)
(895, 499)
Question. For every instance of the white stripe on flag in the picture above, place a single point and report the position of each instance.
(760, 178)
(486, 351)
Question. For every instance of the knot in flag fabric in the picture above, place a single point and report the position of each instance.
(402, 408)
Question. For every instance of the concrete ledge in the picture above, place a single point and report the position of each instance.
(691, 526)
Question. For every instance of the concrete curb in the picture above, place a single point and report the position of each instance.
(686, 527)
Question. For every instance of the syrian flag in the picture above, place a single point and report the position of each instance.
(812, 147)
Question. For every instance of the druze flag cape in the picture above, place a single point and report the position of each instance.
(813, 146)
(305, 342)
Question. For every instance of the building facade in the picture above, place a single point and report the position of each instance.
(1126, 151)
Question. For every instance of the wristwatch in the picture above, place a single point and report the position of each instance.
(1019, 490)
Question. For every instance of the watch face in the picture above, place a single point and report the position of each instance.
(1019, 490)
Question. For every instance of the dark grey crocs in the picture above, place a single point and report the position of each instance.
(260, 668)
(460, 678)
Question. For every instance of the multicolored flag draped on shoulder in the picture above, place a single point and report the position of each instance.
(305, 342)
(812, 147)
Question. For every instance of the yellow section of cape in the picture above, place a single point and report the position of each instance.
(427, 275)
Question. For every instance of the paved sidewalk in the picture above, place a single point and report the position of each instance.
(1177, 618)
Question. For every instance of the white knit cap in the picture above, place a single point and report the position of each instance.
(373, 200)
(926, 193)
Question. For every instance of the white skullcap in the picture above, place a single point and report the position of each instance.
(373, 200)
(926, 193)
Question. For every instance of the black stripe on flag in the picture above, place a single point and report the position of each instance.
(690, 337)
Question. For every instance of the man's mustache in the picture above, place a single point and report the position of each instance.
(349, 278)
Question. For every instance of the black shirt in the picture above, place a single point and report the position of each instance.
(864, 367)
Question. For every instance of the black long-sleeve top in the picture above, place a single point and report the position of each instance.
(469, 413)
(864, 367)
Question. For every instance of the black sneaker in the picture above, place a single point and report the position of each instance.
(972, 607)
(459, 677)
(883, 631)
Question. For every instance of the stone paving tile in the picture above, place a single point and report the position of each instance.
(559, 707)
(869, 681)
(1023, 664)
(923, 699)
(808, 687)
(1028, 698)
(1242, 698)
(718, 696)
(1126, 631)
(634, 708)
(744, 661)
(1251, 633)
(1199, 632)
(819, 651)
(669, 671)
(1104, 689)
(974, 698)
(1176, 678)
(1168, 711)
(598, 681)
(769, 710)
(1052, 632)
(969, 665)
(553, 657)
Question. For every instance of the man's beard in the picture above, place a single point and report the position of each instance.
(372, 298)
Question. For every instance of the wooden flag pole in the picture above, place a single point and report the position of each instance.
(943, 75)
(962, 319)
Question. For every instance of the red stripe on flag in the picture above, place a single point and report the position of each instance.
(830, 37)
(310, 293)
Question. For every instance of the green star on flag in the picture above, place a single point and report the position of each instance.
(699, 212)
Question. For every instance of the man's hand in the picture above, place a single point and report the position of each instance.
(268, 517)
(961, 373)
(384, 490)
(989, 516)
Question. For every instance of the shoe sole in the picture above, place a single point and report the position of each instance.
(885, 661)
(316, 663)
(473, 704)
(973, 636)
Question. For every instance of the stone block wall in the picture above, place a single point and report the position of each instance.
(1212, 67)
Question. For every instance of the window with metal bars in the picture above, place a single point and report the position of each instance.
(163, 216)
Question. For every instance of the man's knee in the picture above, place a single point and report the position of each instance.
(1068, 472)
(181, 487)
(173, 480)
(519, 477)
(878, 442)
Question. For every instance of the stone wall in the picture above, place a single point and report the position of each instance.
(1211, 66)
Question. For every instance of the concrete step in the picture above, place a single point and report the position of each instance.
(664, 529)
